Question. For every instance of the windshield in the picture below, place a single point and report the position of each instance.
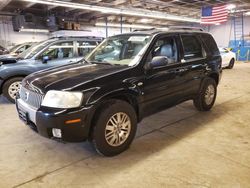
(33, 50)
(122, 50)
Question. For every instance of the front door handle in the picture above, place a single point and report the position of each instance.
(181, 70)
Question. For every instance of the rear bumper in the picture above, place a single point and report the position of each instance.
(220, 75)
(43, 120)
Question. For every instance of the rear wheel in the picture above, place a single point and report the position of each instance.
(207, 95)
(115, 128)
(11, 87)
(231, 64)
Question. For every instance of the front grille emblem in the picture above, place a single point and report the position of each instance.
(26, 96)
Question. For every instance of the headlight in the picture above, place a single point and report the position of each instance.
(62, 99)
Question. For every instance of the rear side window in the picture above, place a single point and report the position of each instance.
(192, 47)
(210, 43)
(59, 50)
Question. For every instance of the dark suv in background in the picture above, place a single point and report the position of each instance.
(18, 49)
(46, 54)
(11, 56)
(3, 50)
(126, 78)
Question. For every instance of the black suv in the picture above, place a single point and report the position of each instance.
(126, 78)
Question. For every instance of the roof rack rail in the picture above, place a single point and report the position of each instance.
(76, 37)
(66, 36)
(144, 29)
(185, 28)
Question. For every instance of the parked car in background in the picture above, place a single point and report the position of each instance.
(3, 50)
(18, 49)
(13, 53)
(228, 58)
(126, 78)
(47, 54)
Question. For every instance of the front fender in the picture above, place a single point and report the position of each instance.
(120, 87)
(129, 95)
(102, 95)
(8, 72)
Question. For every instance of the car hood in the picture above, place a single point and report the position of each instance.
(69, 77)
(10, 63)
(7, 59)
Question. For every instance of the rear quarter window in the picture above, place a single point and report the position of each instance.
(209, 41)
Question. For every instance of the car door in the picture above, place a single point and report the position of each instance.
(163, 86)
(193, 63)
(57, 54)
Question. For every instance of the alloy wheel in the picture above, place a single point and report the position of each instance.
(117, 129)
(209, 94)
(14, 89)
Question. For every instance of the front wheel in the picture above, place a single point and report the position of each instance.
(115, 128)
(205, 99)
(11, 87)
(231, 64)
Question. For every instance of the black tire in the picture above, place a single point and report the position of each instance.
(109, 109)
(6, 86)
(200, 101)
(231, 63)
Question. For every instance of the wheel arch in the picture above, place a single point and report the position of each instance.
(8, 78)
(214, 76)
(126, 96)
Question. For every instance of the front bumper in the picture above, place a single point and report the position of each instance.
(1, 85)
(43, 120)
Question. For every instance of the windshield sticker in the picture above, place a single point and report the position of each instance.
(137, 38)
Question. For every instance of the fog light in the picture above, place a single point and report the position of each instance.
(57, 133)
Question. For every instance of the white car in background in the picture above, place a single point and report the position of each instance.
(228, 58)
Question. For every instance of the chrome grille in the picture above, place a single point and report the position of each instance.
(30, 97)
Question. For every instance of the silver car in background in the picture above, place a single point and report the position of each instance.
(50, 53)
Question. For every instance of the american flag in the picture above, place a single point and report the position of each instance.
(214, 15)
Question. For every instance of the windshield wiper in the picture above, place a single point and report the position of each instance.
(83, 61)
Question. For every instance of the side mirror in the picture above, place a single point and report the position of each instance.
(158, 61)
(45, 59)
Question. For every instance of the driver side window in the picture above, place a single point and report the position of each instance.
(165, 46)
(59, 51)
